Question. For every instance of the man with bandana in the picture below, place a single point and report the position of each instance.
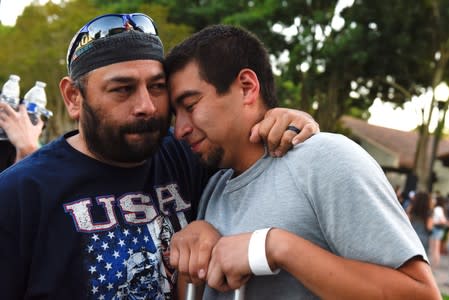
(81, 216)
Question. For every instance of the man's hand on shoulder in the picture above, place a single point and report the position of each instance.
(282, 128)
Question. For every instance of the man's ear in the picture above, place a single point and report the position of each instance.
(249, 83)
(72, 97)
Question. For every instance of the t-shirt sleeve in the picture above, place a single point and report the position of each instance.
(356, 206)
(11, 254)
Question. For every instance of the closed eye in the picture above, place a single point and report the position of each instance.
(187, 100)
(189, 107)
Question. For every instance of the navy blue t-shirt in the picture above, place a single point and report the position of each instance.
(7, 154)
(72, 227)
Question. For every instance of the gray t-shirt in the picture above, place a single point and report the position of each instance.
(327, 190)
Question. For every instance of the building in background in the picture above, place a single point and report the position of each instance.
(395, 151)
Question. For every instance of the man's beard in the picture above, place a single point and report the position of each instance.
(213, 158)
(108, 141)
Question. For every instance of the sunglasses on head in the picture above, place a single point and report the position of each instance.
(107, 25)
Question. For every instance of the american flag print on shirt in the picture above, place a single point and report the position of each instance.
(129, 259)
(126, 263)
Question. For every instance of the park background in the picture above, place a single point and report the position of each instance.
(359, 58)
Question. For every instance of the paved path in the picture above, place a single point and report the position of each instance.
(441, 274)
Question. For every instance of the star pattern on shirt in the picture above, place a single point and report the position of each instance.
(108, 257)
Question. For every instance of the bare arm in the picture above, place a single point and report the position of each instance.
(331, 276)
(325, 274)
(429, 224)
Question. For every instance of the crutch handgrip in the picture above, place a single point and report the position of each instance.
(190, 292)
(239, 294)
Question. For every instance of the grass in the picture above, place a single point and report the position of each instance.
(445, 297)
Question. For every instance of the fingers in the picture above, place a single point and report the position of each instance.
(274, 129)
(200, 256)
(193, 267)
(174, 255)
(222, 279)
(183, 258)
(254, 135)
(228, 267)
(235, 283)
(40, 125)
(19, 118)
(22, 109)
(184, 262)
(285, 144)
(191, 250)
(215, 276)
(204, 255)
(291, 137)
(179, 254)
(307, 131)
(6, 110)
(24, 113)
(7, 117)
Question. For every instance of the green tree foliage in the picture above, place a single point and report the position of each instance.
(407, 54)
(35, 48)
(322, 88)
(392, 50)
(171, 33)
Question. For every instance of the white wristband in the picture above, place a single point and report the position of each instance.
(257, 256)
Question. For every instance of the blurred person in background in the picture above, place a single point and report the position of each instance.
(420, 214)
(439, 221)
(23, 136)
(407, 199)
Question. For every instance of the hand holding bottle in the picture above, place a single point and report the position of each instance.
(21, 124)
(19, 129)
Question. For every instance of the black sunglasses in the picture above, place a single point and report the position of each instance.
(107, 25)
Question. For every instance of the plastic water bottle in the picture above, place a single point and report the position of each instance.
(11, 91)
(36, 100)
(10, 95)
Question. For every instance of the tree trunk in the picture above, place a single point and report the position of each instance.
(422, 164)
(328, 111)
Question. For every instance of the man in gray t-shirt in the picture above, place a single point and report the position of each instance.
(320, 222)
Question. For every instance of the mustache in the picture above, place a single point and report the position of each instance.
(143, 126)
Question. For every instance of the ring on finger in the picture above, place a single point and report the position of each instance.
(294, 129)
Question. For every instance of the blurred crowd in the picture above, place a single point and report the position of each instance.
(428, 214)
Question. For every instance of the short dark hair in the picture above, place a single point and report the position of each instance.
(80, 83)
(221, 52)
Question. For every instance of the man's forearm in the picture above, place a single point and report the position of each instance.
(24, 151)
(330, 276)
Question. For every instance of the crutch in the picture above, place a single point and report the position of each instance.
(239, 294)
